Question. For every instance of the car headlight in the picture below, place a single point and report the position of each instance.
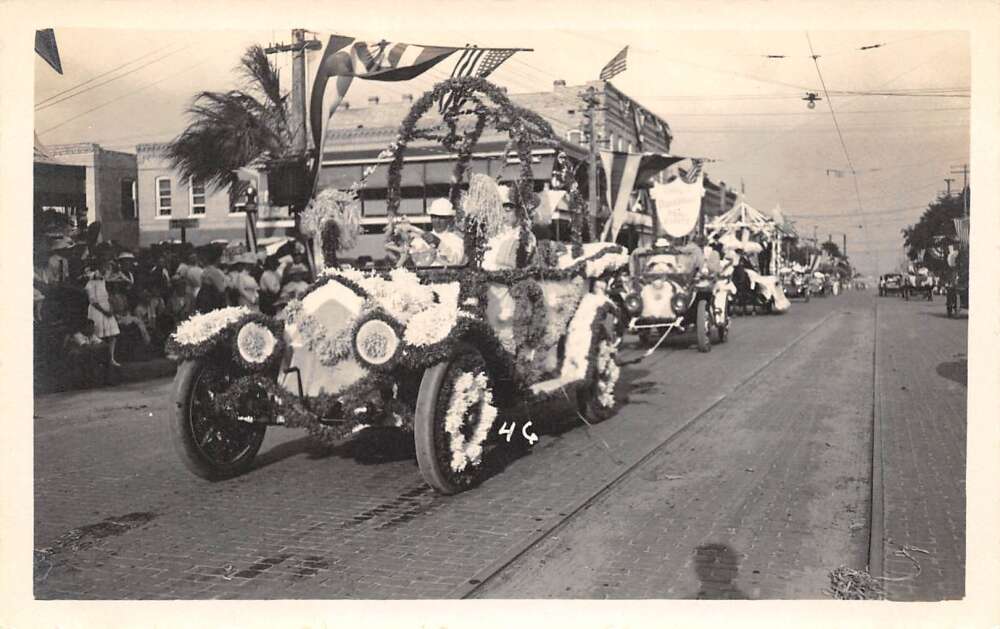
(679, 303)
(376, 342)
(633, 303)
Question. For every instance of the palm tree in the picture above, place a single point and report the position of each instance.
(231, 130)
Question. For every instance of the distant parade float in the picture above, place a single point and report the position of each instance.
(444, 351)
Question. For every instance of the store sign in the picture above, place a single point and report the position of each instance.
(183, 223)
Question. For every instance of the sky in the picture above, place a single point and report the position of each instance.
(723, 97)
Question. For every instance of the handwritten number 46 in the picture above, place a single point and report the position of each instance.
(531, 437)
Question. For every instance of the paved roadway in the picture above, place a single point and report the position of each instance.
(755, 456)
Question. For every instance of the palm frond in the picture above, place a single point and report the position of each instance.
(261, 75)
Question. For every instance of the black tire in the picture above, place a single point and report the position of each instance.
(430, 436)
(589, 394)
(703, 325)
(212, 447)
(721, 329)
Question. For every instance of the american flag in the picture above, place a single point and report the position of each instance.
(345, 59)
(615, 66)
(692, 175)
(478, 62)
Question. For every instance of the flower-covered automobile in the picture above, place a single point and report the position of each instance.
(919, 282)
(670, 291)
(445, 352)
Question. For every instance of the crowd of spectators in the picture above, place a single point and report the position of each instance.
(96, 307)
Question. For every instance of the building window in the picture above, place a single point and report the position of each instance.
(197, 189)
(164, 204)
(128, 199)
(575, 135)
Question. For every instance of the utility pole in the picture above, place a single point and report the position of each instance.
(297, 113)
(964, 171)
(590, 98)
(947, 183)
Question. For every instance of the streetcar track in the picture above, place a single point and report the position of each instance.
(481, 578)
(876, 511)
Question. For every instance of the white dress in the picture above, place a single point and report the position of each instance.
(104, 325)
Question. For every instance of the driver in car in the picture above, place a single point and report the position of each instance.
(443, 246)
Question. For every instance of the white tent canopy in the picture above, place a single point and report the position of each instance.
(743, 215)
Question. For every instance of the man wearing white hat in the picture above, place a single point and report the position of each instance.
(443, 246)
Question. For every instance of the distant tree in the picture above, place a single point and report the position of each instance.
(800, 251)
(229, 130)
(831, 249)
(924, 235)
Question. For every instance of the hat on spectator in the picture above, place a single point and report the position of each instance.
(441, 207)
(661, 242)
(126, 255)
(246, 258)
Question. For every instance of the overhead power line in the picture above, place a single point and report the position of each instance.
(125, 95)
(55, 98)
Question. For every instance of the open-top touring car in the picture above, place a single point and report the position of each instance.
(795, 284)
(669, 291)
(444, 352)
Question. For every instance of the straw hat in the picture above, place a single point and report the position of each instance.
(126, 255)
(441, 207)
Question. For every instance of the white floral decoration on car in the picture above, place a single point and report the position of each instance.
(200, 328)
(607, 374)
(470, 391)
(430, 326)
(579, 338)
(255, 342)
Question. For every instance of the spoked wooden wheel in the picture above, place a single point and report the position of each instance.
(595, 399)
(454, 416)
(211, 444)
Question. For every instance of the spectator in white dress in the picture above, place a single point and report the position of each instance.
(100, 312)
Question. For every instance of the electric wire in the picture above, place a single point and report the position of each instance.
(44, 102)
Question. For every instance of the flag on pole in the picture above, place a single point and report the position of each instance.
(615, 66)
(347, 59)
(478, 62)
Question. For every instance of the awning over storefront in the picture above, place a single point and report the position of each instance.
(432, 167)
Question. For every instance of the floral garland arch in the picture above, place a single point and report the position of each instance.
(490, 106)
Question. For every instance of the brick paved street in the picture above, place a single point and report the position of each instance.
(117, 516)
(923, 372)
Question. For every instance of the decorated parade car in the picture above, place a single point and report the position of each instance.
(891, 284)
(795, 283)
(669, 291)
(445, 352)
(919, 282)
